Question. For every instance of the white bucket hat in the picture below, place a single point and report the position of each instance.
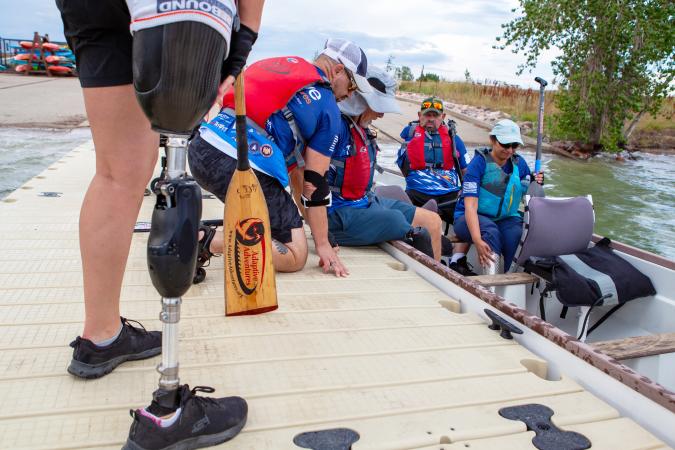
(381, 99)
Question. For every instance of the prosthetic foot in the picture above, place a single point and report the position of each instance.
(198, 422)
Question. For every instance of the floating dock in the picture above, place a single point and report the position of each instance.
(383, 352)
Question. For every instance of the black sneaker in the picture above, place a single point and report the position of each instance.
(91, 361)
(203, 422)
(462, 267)
(420, 239)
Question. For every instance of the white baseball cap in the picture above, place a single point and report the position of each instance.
(352, 57)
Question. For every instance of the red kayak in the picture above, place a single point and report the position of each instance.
(52, 59)
(47, 46)
(26, 56)
(60, 69)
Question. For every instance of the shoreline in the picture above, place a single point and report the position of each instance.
(485, 118)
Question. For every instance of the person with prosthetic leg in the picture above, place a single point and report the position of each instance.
(175, 100)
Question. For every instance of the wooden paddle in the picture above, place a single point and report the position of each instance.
(250, 286)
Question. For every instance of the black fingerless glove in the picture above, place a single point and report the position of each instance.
(241, 45)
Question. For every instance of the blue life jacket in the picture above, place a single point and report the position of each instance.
(263, 153)
(354, 172)
(500, 193)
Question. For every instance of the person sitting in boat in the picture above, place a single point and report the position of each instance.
(357, 216)
(431, 162)
(495, 182)
(293, 125)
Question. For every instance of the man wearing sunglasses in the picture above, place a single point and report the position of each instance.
(294, 129)
(431, 162)
(495, 182)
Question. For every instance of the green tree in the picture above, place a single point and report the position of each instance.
(467, 76)
(429, 77)
(617, 61)
(404, 73)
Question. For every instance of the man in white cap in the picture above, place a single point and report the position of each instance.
(358, 217)
(294, 129)
(494, 184)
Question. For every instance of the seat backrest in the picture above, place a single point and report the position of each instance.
(431, 205)
(393, 192)
(555, 226)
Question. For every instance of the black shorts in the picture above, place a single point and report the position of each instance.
(98, 33)
(213, 171)
(447, 213)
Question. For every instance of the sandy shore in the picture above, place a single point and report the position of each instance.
(41, 102)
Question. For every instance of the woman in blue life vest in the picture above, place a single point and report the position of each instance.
(357, 216)
(494, 185)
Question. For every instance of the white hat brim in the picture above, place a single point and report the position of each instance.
(382, 103)
(362, 83)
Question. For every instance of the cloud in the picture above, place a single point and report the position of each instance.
(443, 36)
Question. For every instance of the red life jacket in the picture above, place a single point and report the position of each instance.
(271, 83)
(354, 174)
(421, 152)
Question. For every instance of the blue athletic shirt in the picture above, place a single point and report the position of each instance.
(342, 151)
(474, 175)
(433, 181)
(317, 116)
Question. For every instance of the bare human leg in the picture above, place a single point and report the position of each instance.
(432, 222)
(288, 257)
(126, 153)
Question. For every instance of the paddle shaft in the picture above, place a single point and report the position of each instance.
(452, 131)
(540, 123)
(240, 111)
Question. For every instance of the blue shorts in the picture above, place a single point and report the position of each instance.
(383, 220)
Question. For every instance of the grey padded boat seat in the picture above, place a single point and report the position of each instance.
(397, 193)
(555, 226)
(393, 192)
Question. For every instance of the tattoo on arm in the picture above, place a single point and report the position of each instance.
(280, 247)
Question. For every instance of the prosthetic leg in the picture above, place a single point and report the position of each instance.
(176, 77)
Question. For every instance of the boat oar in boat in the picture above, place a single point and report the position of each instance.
(535, 189)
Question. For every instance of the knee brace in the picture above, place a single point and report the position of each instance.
(176, 70)
(173, 243)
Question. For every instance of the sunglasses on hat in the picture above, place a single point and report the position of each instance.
(436, 105)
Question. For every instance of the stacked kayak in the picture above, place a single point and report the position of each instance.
(57, 60)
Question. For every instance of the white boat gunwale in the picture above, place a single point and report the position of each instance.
(584, 351)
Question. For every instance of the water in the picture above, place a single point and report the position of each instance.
(634, 201)
(26, 152)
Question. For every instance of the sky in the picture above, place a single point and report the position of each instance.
(447, 37)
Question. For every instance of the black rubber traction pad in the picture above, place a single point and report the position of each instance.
(549, 437)
(334, 439)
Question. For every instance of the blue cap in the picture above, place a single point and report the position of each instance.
(507, 131)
